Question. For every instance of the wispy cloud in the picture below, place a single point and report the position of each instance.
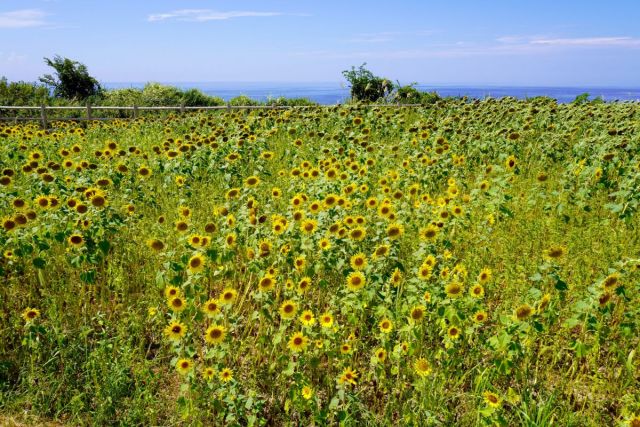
(24, 18)
(570, 41)
(205, 15)
(589, 41)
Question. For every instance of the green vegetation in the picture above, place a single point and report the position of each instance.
(461, 263)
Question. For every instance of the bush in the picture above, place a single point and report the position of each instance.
(410, 95)
(22, 93)
(365, 86)
(195, 98)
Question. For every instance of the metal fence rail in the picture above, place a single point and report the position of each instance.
(44, 119)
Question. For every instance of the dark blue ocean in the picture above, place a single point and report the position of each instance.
(334, 92)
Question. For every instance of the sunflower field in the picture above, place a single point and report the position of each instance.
(463, 263)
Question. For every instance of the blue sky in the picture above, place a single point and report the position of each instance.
(501, 42)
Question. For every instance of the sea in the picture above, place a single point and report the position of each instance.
(329, 93)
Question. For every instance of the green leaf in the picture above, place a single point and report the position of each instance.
(39, 263)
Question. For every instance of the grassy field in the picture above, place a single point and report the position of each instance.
(466, 263)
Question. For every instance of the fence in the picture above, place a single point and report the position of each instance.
(44, 119)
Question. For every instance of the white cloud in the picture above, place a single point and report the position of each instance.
(24, 18)
(204, 15)
(588, 41)
(386, 36)
(11, 58)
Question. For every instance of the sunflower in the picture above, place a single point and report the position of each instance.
(428, 233)
(395, 230)
(355, 281)
(288, 309)
(484, 276)
(324, 244)
(155, 244)
(230, 239)
(308, 226)
(307, 392)
(386, 326)
(266, 283)
(196, 263)
(477, 291)
(326, 320)
(226, 375)
(453, 332)
(252, 181)
(228, 296)
(454, 289)
(298, 342)
(492, 399)
(611, 281)
(417, 313)
(348, 376)
(76, 240)
(396, 277)
(171, 291)
(555, 252)
(307, 318)
(215, 334)
(30, 314)
(380, 354)
(422, 367)
(425, 271)
(358, 261)
(480, 316)
(523, 312)
(177, 304)
(358, 233)
(381, 251)
(510, 163)
(299, 263)
(346, 348)
(175, 331)
(208, 373)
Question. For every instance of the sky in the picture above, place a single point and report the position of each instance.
(432, 42)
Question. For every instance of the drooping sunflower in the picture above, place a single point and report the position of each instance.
(523, 312)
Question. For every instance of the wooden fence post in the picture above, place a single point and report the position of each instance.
(89, 112)
(182, 107)
(229, 106)
(43, 116)
(135, 111)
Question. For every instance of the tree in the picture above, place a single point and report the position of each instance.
(71, 81)
(365, 86)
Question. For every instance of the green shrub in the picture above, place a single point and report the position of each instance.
(365, 86)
